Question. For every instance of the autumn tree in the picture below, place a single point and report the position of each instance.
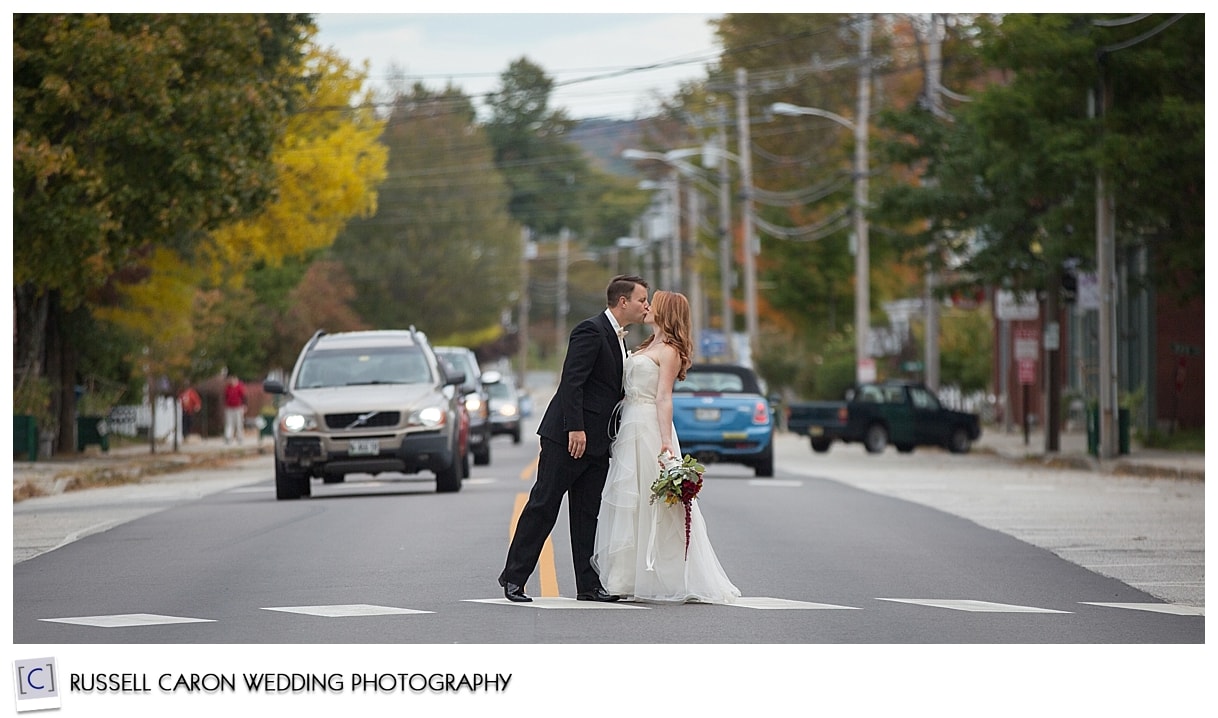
(1009, 184)
(330, 162)
(132, 133)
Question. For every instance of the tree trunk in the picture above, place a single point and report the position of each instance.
(29, 340)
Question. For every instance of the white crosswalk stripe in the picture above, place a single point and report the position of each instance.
(970, 605)
(128, 620)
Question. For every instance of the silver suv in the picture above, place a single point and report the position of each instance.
(367, 402)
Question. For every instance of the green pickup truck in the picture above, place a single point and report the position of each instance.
(904, 414)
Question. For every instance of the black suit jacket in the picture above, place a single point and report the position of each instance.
(590, 387)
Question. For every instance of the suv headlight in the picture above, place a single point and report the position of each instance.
(473, 402)
(296, 422)
(431, 417)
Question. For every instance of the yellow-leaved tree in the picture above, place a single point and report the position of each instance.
(330, 162)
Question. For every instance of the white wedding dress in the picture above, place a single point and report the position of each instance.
(640, 546)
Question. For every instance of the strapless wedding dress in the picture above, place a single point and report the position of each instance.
(640, 546)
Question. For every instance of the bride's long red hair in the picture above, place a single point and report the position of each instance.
(671, 313)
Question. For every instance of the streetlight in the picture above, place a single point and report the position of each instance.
(675, 159)
(864, 368)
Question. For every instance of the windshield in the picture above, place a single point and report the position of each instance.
(348, 367)
(501, 390)
(710, 381)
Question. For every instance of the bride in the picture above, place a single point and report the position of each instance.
(640, 548)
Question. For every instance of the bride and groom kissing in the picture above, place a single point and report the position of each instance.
(622, 544)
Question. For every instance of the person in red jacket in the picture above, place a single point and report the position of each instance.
(191, 404)
(234, 410)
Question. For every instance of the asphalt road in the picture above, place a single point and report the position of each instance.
(841, 548)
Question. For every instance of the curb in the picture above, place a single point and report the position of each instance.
(48, 479)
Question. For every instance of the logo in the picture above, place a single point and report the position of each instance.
(36, 684)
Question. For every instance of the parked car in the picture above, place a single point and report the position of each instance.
(905, 414)
(722, 415)
(506, 412)
(477, 400)
(367, 402)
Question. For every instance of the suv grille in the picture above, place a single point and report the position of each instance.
(343, 421)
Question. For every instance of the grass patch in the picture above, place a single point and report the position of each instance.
(1180, 440)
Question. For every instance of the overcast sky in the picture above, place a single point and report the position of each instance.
(473, 49)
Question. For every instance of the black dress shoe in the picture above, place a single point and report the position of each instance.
(515, 593)
(599, 594)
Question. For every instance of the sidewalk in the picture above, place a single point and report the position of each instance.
(1072, 453)
(129, 463)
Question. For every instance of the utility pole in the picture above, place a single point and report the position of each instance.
(862, 260)
(725, 239)
(1052, 374)
(527, 252)
(697, 310)
(746, 189)
(1106, 271)
(674, 243)
(560, 306)
(934, 72)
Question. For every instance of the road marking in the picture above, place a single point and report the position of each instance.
(776, 483)
(970, 605)
(345, 610)
(1172, 608)
(770, 604)
(124, 620)
(526, 474)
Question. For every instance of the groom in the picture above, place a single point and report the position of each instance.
(574, 434)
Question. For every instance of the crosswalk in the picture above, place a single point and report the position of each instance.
(763, 603)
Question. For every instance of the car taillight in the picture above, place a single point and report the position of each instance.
(842, 415)
(761, 413)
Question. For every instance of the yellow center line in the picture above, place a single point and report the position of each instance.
(546, 572)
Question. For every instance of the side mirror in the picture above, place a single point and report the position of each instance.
(491, 377)
(273, 386)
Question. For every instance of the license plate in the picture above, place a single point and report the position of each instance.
(816, 430)
(703, 414)
(364, 447)
(735, 435)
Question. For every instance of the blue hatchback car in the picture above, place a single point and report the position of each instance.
(721, 415)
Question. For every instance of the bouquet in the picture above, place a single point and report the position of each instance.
(679, 481)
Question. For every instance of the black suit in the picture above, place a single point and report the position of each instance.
(590, 388)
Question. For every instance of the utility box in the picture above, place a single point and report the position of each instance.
(25, 437)
(1093, 431)
(92, 430)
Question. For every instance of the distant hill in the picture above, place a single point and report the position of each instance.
(604, 139)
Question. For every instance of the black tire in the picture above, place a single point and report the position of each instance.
(482, 454)
(764, 467)
(333, 478)
(905, 448)
(290, 484)
(465, 463)
(448, 479)
(821, 446)
(516, 436)
(875, 439)
(959, 443)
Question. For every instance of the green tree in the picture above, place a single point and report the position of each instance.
(1009, 186)
(132, 133)
(441, 252)
(546, 173)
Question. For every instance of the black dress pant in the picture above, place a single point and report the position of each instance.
(582, 481)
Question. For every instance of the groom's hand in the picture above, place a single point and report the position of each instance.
(577, 441)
